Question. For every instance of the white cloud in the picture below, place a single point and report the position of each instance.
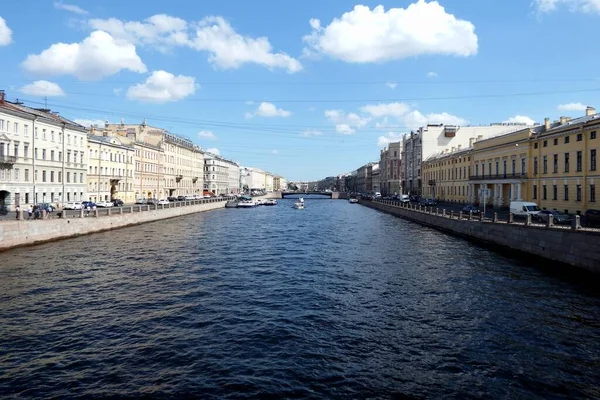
(520, 119)
(391, 85)
(5, 33)
(383, 141)
(89, 122)
(344, 129)
(583, 6)
(572, 107)
(227, 49)
(97, 56)
(269, 110)
(117, 91)
(213, 150)
(384, 110)
(311, 133)
(248, 115)
(208, 135)
(162, 86)
(346, 124)
(42, 88)
(59, 5)
(432, 74)
(274, 151)
(415, 119)
(364, 35)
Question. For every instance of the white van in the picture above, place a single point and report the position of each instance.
(404, 198)
(522, 208)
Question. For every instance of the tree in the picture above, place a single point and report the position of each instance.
(292, 186)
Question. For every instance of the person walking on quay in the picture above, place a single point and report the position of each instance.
(29, 211)
(17, 211)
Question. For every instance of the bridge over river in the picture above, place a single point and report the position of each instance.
(331, 195)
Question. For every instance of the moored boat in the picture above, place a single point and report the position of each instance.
(231, 204)
(270, 202)
(353, 201)
(299, 205)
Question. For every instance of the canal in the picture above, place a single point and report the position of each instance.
(333, 301)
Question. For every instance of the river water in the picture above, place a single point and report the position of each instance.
(333, 301)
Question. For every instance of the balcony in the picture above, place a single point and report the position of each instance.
(497, 177)
(178, 178)
(431, 182)
(195, 179)
(7, 160)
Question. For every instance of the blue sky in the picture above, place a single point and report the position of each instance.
(302, 89)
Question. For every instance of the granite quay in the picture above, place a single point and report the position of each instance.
(19, 232)
(574, 245)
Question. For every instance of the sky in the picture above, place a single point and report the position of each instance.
(301, 89)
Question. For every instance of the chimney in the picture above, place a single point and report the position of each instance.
(589, 111)
(1, 96)
(471, 140)
(546, 123)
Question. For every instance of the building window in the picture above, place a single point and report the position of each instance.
(535, 166)
(556, 141)
(578, 193)
(544, 192)
(514, 163)
(17, 174)
(35, 132)
(579, 161)
(35, 175)
(43, 176)
(545, 143)
(535, 145)
(555, 163)
(26, 130)
(566, 162)
(35, 155)
(554, 192)
(579, 137)
(43, 134)
(68, 177)
(534, 192)
(592, 193)
(43, 154)
(593, 160)
(504, 166)
(545, 165)
(592, 134)
(522, 166)
(51, 176)
(26, 175)
(567, 139)
(51, 155)
(59, 177)
(16, 128)
(566, 192)
(476, 170)
(497, 168)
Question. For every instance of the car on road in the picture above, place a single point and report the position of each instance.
(73, 205)
(592, 217)
(86, 204)
(471, 209)
(428, 202)
(117, 203)
(558, 217)
(163, 202)
(104, 204)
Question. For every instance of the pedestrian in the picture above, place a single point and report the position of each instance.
(87, 210)
(18, 211)
(29, 211)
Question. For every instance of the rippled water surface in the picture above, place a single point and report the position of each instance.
(333, 301)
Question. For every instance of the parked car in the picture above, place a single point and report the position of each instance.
(592, 217)
(46, 207)
(180, 198)
(471, 209)
(85, 204)
(105, 204)
(428, 202)
(117, 202)
(73, 205)
(172, 199)
(522, 208)
(163, 202)
(151, 201)
(558, 217)
(141, 201)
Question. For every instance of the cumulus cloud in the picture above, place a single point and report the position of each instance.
(89, 122)
(5, 33)
(391, 85)
(391, 137)
(572, 107)
(59, 5)
(364, 35)
(97, 56)
(227, 49)
(208, 135)
(42, 88)
(346, 123)
(432, 74)
(311, 133)
(520, 119)
(582, 6)
(162, 87)
(269, 110)
(213, 150)
(385, 110)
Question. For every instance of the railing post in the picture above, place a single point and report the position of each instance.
(550, 221)
(528, 219)
(96, 213)
(470, 215)
(511, 218)
(451, 214)
(481, 216)
(121, 210)
(108, 211)
(444, 212)
(576, 223)
(495, 217)
(81, 213)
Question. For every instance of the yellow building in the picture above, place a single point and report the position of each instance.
(446, 175)
(565, 166)
(184, 167)
(110, 169)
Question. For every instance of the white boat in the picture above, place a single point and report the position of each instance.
(353, 201)
(231, 204)
(299, 205)
(246, 204)
(270, 202)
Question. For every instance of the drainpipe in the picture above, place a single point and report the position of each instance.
(33, 145)
(99, 169)
(63, 163)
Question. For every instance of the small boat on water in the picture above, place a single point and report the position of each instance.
(270, 202)
(246, 204)
(231, 204)
(299, 205)
(353, 201)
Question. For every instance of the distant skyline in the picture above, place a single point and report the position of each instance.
(306, 89)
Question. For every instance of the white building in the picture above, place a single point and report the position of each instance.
(221, 176)
(269, 182)
(42, 156)
(431, 139)
(110, 169)
(255, 178)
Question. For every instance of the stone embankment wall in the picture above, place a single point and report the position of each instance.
(17, 233)
(576, 247)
